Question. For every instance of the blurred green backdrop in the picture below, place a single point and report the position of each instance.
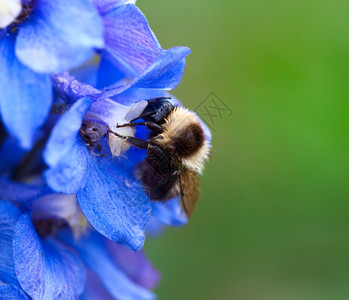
(273, 219)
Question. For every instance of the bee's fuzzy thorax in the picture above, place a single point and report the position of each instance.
(183, 131)
(196, 161)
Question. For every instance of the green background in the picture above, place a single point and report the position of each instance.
(273, 219)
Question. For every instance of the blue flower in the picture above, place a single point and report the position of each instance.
(73, 217)
(110, 197)
(54, 36)
(48, 36)
(42, 258)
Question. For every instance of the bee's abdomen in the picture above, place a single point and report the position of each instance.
(161, 160)
(159, 174)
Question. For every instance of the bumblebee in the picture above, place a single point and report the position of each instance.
(176, 152)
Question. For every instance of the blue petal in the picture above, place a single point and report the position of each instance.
(56, 206)
(134, 94)
(69, 174)
(104, 6)
(11, 292)
(108, 74)
(170, 213)
(164, 74)
(21, 193)
(155, 227)
(60, 35)
(135, 265)
(64, 134)
(65, 153)
(71, 89)
(94, 288)
(115, 204)
(11, 154)
(129, 41)
(96, 258)
(25, 96)
(9, 215)
(87, 73)
(45, 268)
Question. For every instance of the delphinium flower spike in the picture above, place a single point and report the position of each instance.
(109, 196)
(74, 213)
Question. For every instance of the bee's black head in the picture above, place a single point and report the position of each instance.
(157, 110)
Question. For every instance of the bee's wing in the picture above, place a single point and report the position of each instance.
(190, 190)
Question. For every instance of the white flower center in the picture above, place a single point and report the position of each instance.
(9, 11)
(109, 114)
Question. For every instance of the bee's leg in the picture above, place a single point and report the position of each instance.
(151, 125)
(132, 140)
